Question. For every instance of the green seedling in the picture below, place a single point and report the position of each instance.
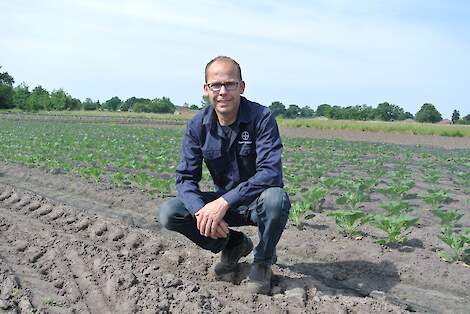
(292, 189)
(298, 211)
(396, 208)
(435, 197)
(92, 173)
(352, 199)
(120, 179)
(349, 221)
(431, 176)
(457, 242)
(331, 183)
(362, 184)
(315, 196)
(398, 189)
(394, 226)
(448, 217)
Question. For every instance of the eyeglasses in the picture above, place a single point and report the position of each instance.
(217, 86)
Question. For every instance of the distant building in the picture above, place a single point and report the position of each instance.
(183, 110)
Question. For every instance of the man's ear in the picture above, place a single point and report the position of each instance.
(242, 87)
(206, 90)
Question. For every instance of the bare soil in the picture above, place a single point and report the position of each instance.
(71, 246)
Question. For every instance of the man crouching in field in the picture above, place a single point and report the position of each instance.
(240, 143)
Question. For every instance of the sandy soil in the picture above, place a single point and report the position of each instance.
(67, 245)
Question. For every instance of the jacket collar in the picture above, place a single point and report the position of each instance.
(244, 115)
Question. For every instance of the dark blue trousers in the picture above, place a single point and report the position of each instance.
(269, 212)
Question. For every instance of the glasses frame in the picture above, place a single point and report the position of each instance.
(210, 86)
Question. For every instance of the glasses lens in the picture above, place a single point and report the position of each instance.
(230, 86)
(215, 86)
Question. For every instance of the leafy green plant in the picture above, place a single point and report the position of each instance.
(298, 211)
(330, 183)
(398, 189)
(315, 196)
(348, 221)
(352, 199)
(448, 217)
(396, 208)
(394, 226)
(431, 176)
(435, 197)
(458, 243)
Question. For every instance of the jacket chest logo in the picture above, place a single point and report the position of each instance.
(245, 138)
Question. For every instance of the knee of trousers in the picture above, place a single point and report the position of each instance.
(167, 213)
(275, 202)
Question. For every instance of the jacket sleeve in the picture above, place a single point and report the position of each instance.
(268, 164)
(189, 171)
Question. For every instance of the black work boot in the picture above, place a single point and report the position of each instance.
(232, 254)
(259, 279)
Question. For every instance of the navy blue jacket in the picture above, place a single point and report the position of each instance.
(251, 164)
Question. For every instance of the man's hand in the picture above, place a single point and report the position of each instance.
(210, 221)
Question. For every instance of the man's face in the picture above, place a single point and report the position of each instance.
(223, 87)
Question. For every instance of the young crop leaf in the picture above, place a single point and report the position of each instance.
(447, 217)
(315, 196)
(394, 226)
(352, 199)
(395, 208)
(348, 221)
(457, 242)
(435, 197)
(298, 211)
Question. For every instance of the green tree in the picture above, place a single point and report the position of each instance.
(89, 105)
(141, 107)
(129, 103)
(336, 112)
(428, 113)
(194, 107)
(38, 100)
(20, 96)
(73, 103)
(324, 110)
(6, 90)
(278, 108)
(389, 112)
(455, 116)
(205, 101)
(112, 104)
(293, 112)
(162, 105)
(59, 100)
(307, 112)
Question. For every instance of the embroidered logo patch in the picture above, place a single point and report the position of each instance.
(245, 138)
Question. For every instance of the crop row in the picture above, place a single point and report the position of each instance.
(377, 184)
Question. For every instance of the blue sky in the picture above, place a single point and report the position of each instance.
(406, 52)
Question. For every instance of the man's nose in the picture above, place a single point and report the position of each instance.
(223, 90)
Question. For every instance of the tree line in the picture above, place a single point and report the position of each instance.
(40, 99)
(384, 112)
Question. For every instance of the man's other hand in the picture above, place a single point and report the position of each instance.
(210, 221)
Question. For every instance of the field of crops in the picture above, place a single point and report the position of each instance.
(389, 200)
